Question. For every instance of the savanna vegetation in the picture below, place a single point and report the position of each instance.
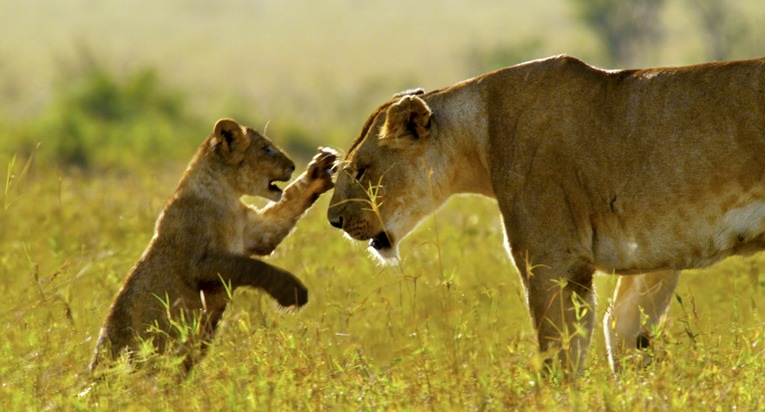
(101, 106)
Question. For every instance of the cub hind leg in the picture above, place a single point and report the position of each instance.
(639, 304)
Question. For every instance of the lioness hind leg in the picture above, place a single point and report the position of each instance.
(639, 304)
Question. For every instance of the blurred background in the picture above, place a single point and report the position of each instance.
(103, 84)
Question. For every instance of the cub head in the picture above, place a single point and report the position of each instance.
(249, 160)
(385, 185)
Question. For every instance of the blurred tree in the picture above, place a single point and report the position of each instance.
(98, 119)
(722, 24)
(628, 29)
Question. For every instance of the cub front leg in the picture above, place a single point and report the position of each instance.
(562, 305)
(239, 271)
(269, 227)
(639, 304)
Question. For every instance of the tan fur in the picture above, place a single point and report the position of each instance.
(205, 236)
(627, 172)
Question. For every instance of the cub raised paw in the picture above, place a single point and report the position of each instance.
(320, 171)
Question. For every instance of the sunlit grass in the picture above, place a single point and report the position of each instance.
(431, 333)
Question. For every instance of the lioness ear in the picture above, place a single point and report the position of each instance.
(406, 122)
(229, 137)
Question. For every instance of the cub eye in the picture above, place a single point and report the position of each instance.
(269, 150)
(360, 173)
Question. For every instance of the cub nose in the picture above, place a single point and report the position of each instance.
(336, 222)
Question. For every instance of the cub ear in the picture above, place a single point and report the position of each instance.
(406, 121)
(230, 137)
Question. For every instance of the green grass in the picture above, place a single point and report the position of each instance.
(445, 329)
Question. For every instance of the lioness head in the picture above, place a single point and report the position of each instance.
(385, 184)
(254, 163)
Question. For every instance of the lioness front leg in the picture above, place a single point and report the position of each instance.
(274, 222)
(562, 305)
(639, 304)
(239, 271)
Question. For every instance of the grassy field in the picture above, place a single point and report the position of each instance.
(446, 329)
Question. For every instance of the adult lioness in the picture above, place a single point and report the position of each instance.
(634, 172)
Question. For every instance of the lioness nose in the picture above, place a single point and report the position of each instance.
(289, 169)
(336, 221)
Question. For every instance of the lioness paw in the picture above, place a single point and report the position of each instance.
(320, 170)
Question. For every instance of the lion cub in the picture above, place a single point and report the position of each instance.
(205, 236)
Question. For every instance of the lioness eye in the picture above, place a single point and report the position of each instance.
(360, 173)
(269, 150)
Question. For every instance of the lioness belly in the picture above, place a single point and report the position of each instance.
(681, 241)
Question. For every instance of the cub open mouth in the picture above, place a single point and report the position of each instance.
(272, 187)
(381, 241)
